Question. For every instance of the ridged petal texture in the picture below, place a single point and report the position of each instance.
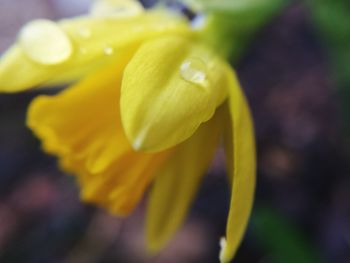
(177, 183)
(49, 53)
(171, 86)
(82, 126)
(241, 159)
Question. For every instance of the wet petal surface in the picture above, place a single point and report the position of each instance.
(82, 126)
(171, 86)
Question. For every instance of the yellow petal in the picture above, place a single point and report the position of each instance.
(68, 122)
(82, 126)
(177, 182)
(95, 41)
(17, 72)
(120, 187)
(244, 169)
(116, 8)
(171, 86)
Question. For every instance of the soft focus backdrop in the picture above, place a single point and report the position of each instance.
(302, 208)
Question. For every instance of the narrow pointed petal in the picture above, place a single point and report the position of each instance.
(82, 127)
(79, 47)
(243, 167)
(171, 86)
(18, 73)
(176, 184)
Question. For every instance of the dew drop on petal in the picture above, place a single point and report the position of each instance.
(194, 70)
(137, 28)
(84, 32)
(45, 42)
(108, 50)
(83, 50)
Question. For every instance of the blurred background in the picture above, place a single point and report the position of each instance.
(295, 75)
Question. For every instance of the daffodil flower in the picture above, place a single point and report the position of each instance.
(150, 103)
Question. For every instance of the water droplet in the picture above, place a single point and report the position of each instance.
(108, 50)
(194, 70)
(45, 42)
(83, 50)
(84, 32)
(137, 28)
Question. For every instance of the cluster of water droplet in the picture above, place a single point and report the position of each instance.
(45, 42)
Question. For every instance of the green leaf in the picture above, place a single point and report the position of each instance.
(282, 241)
(233, 23)
(332, 20)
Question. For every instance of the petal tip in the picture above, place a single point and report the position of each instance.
(140, 140)
(223, 252)
(153, 247)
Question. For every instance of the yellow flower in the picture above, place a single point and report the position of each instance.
(151, 104)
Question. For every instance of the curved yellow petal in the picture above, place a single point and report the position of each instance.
(119, 8)
(68, 122)
(95, 41)
(243, 166)
(82, 126)
(120, 187)
(171, 86)
(177, 182)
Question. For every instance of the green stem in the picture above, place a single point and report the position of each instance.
(229, 31)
